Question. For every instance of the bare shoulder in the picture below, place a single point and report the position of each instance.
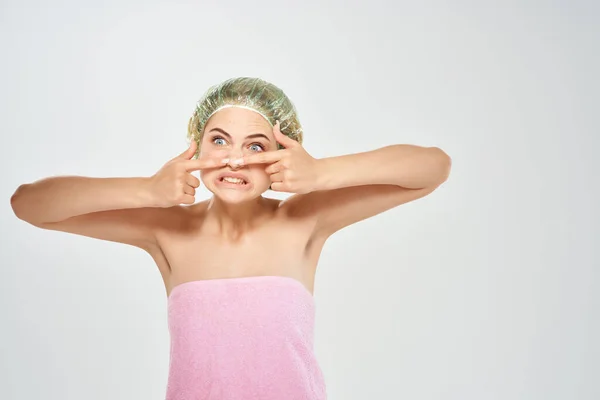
(178, 217)
(175, 226)
(297, 208)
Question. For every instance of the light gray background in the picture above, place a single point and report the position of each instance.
(486, 289)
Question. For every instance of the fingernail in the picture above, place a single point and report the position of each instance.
(225, 160)
(238, 161)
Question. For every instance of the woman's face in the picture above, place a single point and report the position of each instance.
(233, 133)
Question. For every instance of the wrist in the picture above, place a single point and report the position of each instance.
(326, 175)
(144, 193)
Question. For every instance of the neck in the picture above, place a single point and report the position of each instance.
(233, 220)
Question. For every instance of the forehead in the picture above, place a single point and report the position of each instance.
(238, 121)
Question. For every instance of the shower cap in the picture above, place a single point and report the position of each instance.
(250, 93)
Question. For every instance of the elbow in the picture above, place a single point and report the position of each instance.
(446, 166)
(18, 204)
(443, 164)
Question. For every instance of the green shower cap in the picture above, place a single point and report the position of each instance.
(250, 93)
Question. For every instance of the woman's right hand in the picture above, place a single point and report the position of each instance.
(174, 183)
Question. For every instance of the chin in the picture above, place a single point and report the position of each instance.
(235, 198)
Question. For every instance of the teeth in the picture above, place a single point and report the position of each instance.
(233, 180)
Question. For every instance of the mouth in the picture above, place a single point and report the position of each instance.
(232, 180)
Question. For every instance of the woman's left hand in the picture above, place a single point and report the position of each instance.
(291, 169)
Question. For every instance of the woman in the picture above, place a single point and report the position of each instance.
(238, 268)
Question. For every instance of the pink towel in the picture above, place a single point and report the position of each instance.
(243, 339)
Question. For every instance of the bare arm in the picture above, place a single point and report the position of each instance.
(338, 191)
(56, 199)
(355, 187)
(125, 210)
(114, 209)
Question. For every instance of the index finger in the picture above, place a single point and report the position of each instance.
(204, 163)
(263, 158)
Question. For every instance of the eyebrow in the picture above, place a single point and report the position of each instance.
(252, 136)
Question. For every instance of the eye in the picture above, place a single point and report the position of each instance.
(257, 147)
(219, 141)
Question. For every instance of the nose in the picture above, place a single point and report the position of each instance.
(234, 166)
(234, 155)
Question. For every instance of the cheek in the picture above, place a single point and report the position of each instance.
(259, 175)
(208, 152)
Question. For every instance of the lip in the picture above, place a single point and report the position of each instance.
(233, 175)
